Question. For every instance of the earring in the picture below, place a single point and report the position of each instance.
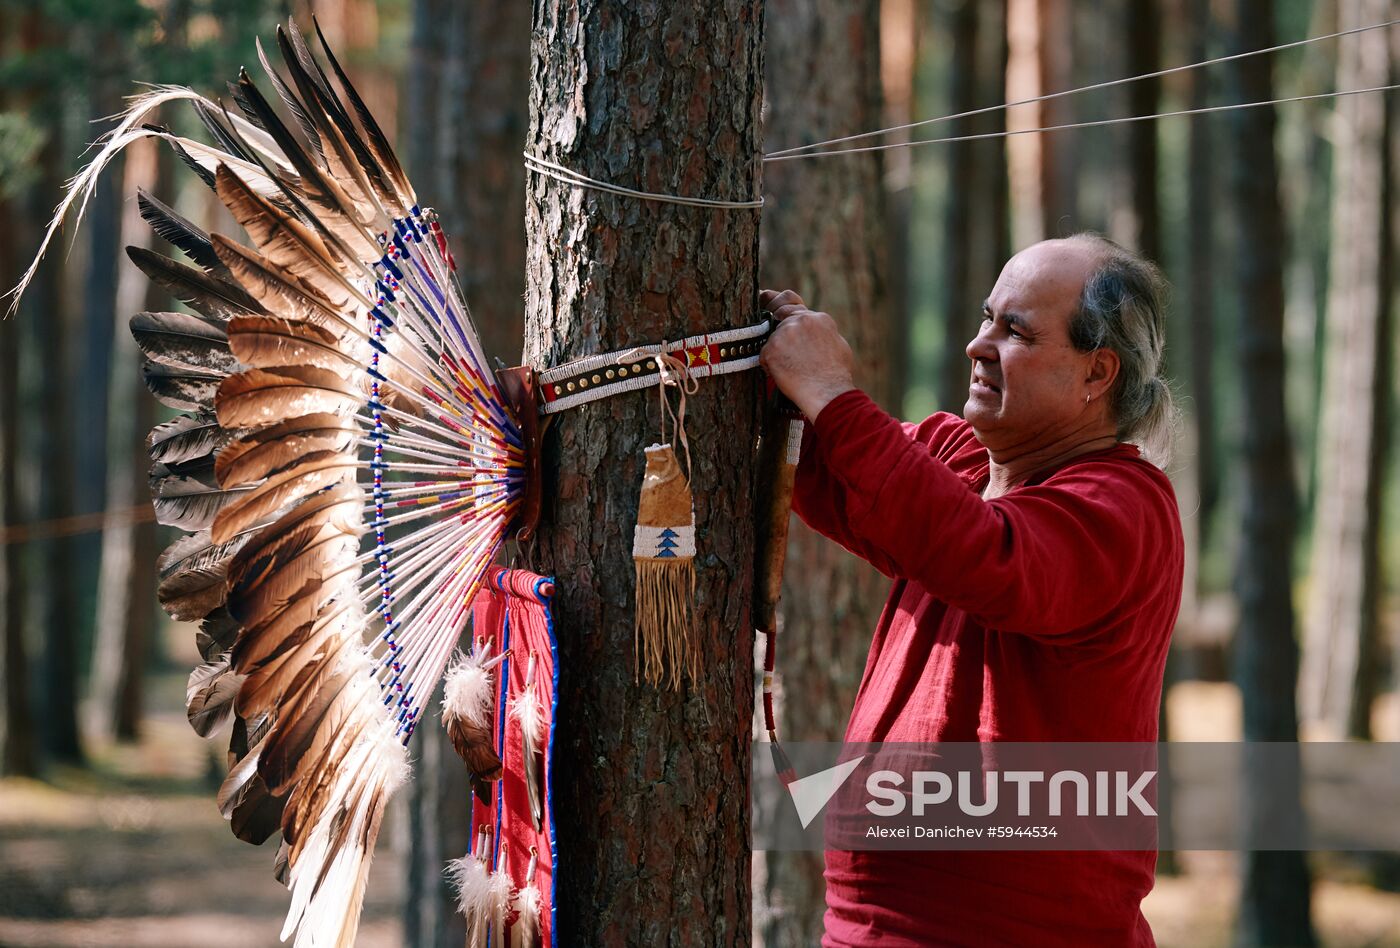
(1086, 398)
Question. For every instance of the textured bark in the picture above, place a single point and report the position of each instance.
(653, 801)
(1342, 637)
(1275, 891)
(823, 235)
(465, 127)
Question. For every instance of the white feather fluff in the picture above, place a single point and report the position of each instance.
(467, 691)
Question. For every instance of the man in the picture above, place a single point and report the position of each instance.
(1037, 559)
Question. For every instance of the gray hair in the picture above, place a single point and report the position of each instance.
(1123, 308)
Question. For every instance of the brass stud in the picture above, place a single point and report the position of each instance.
(583, 383)
(611, 374)
(597, 379)
(557, 391)
(651, 365)
(571, 386)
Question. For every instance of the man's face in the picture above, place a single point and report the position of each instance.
(1028, 382)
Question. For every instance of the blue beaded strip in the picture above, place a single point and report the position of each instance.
(382, 550)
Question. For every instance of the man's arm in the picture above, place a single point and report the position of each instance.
(819, 498)
(1044, 560)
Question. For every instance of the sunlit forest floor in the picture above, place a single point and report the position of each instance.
(134, 853)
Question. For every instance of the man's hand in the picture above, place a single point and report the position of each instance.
(806, 356)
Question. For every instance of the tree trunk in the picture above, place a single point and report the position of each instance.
(1342, 638)
(662, 97)
(17, 752)
(823, 236)
(961, 299)
(485, 86)
(117, 593)
(465, 123)
(900, 23)
(1144, 32)
(102, 227)
(1275, 891)
(1200, 282)
(1043, 191)
(46, 316)
(992, 227)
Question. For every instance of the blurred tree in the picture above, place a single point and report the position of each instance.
(464, 117)
(824, 231)
(52, 424)
(126, 583)
(1143, 30)
(1200, 282)
(963, 209)
(1044, 188)
(664, 97)
(1275, 891)
(18, 755)
(900, 25)
(106, 44)
(1342, 642)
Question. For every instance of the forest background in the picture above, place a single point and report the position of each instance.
(1274, 227)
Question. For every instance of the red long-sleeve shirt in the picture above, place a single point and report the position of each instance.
(1041, 615)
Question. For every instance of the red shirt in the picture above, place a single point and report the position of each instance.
(1041, 615)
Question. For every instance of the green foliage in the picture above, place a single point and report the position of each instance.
(199, 43)
(20, 141)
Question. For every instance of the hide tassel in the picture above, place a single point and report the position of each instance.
(664, 551)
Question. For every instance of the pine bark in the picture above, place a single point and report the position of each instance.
(1342, 635)
(653, 830)
(1275, 891)
(823, 233)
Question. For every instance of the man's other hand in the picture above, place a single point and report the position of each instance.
(806, 356)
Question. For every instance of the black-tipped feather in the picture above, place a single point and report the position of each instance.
(181, 387)
(193, 571)
(206, 294)
(293, 104)
(170, 226)
(334, 122)
(187, 438)
(181, 340)
(217, 632)
(220, 132)
(204, 173)
(189, 503)
(209, 695)
(378, 142)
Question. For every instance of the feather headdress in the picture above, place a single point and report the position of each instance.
(346, 468)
